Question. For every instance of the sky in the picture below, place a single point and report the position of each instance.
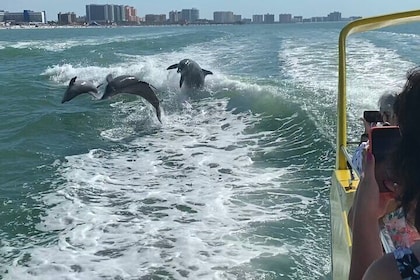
(246, 8)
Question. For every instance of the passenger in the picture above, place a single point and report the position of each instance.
(367, 259)
(386, 108)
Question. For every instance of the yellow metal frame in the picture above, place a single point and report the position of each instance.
(343, 184)
(357, 26)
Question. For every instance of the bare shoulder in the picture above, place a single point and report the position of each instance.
(383, 268)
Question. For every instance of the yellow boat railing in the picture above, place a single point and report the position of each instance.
(357, 26)
(343, 182)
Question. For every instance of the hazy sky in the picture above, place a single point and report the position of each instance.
(246, 8)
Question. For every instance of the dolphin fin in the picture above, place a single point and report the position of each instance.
(109, 78)
(158, 114)
(181, 81)
(173, 66)
(97, 95)
(72, 81)
(207, 72)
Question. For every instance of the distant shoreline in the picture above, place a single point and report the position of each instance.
(46, 26)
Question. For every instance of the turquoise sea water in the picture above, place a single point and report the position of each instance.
(234, 184)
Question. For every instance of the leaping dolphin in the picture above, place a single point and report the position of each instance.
(192, 75)
(131, 84)
(76, 88)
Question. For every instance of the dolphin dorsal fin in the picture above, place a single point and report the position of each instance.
(109, 78)
(72, 80)
(207, 72)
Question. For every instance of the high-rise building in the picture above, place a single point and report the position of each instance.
(119, 13)
(155, 19)
(131, 14)
(110, 13)
(66, 18)
(25, 17)
(96, 13)
(297, 19)
(318, 19)
(237, 18)
(174, 16)
(285, 18)
(223, 17)
(257, 18)
(334, 16)
(190, 15)
(268, 18)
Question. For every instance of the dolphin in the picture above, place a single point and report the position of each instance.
(131, 84)
(76, 88)
(191, 73)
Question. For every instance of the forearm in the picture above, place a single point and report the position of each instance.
(366, 247)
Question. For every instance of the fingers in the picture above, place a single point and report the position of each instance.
(368, 126)
(368, 164)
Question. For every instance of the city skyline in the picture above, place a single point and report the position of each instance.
(246, 8)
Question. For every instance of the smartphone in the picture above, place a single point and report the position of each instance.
(382, 143)
(383, 140)
(372, 116)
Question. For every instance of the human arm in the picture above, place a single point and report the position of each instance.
(365, 136)
(384, 268)
(368, 207)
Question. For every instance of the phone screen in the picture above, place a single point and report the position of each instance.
(382, 142)
(372, 116)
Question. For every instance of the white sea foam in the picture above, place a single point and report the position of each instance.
(65, 44)
(371, 71)
(185, 199)
(166, 204)
(152, 69)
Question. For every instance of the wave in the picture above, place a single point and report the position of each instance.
(166, 203)
(232, 185)
(371, 71)
(63, 44)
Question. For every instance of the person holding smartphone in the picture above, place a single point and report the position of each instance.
(386, 108)
(368, 261)
(385, 116)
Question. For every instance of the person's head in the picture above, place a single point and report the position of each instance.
(386, 108)
(407, 157)
(387, 178)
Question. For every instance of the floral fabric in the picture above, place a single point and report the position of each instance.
(357, 158)
(407, 263)
(401, 233)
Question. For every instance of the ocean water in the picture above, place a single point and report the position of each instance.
(234, 184)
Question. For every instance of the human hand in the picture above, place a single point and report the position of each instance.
(371, 202)
(367, 125)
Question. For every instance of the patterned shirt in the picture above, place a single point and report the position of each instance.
(407, 263)
(402, 234)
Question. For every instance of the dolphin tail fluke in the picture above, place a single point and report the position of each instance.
(207, 72)
(173, 66)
